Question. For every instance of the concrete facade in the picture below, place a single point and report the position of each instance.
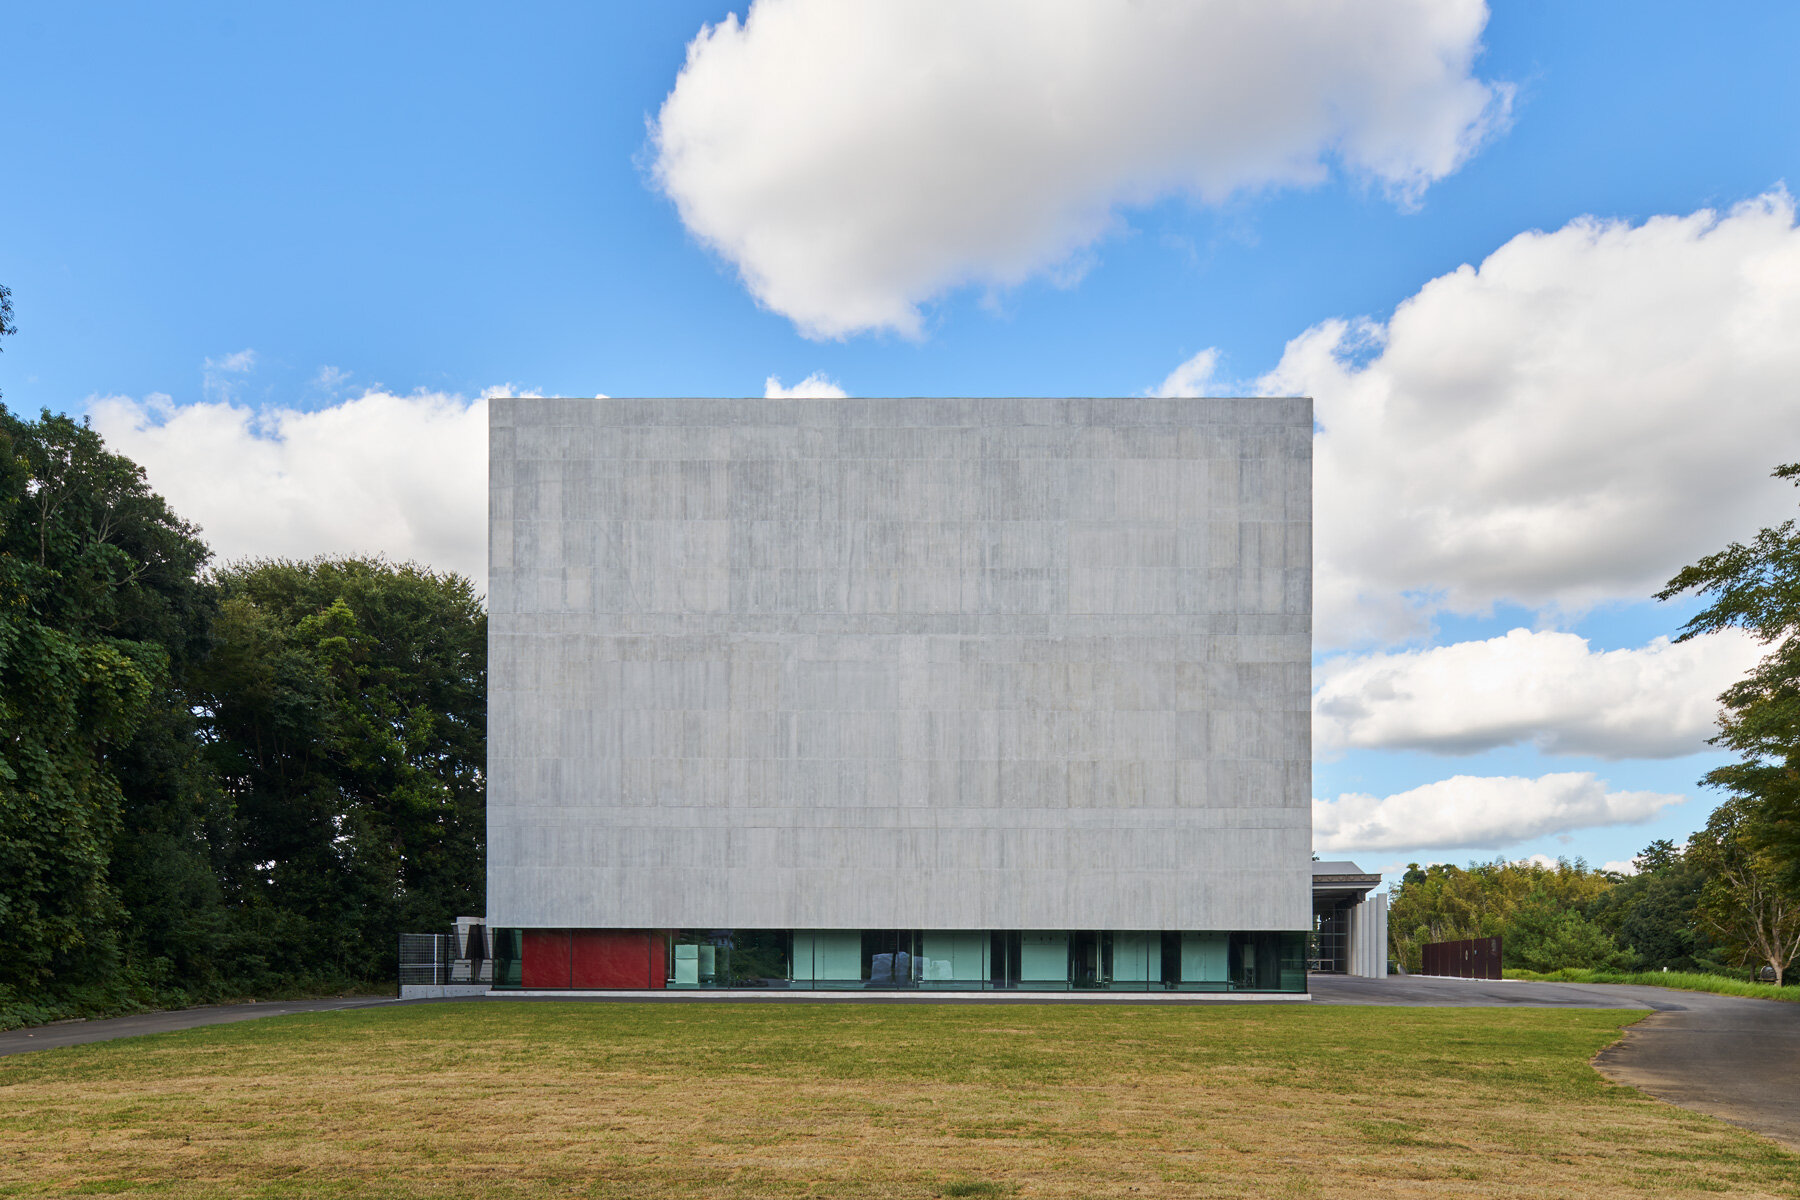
(933, 664)
(1369, 938)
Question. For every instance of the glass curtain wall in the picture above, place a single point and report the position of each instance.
(941, 960)
(1331, 938)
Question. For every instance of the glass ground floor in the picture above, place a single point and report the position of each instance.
(913, 959)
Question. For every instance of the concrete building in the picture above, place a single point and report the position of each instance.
(900, 693)
(1350, 921)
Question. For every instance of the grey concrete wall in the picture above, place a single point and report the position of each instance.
(941, 664)
(1369, 938)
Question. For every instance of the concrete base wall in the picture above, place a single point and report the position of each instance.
(441, 991)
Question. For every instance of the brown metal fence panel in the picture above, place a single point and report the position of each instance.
(1475, 958)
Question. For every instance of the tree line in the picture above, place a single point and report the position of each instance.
(1726, 902)
(217, 780)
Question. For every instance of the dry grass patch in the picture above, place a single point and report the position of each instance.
(540, 1100)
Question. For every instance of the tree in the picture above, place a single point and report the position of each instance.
(1543, 935)
(97, 595)
(1751, 847)
(1653, 913)
(345, 705)
(105, 879)
(1743, 898)
(1518, 901)
(1756, 587)
(239, 781)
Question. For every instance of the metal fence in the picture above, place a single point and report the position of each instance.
(425, 958)
(1477, 958)
(436, 959)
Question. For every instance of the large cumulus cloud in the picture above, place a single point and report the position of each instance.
(1567, 423)
(1478, 813)
(1542, 688)
(855, 158)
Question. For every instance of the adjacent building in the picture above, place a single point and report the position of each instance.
(1350, 921)
(900, 693)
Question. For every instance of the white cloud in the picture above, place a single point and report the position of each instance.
(855, 159)
(1571, 422)
(1468, 811)
(1195, 377)
(242, 360)
(1544, 688)
(219, 376)
(1620, 868)
(404, 476)
(814, 387)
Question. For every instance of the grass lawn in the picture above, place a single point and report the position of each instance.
(1688, 981)
(545, 1099)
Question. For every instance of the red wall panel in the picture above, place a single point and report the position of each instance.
(611, 958)
(544, 959)
(593, 958)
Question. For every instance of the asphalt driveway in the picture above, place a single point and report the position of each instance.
(1739, 1061)
(79, 1033)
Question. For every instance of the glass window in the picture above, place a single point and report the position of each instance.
(1003, 959)
(1331, 933)
(1044, 959)
(758, 958)
(1087, 960)
(954, 960)
(938, 959)
(1269, 961)
(507, 958)
(1204, 961)
(684, 964)
(1136, 960)
(1293, 962)
(693, 958)
(827, 958)
(729, 958)
(890, 958)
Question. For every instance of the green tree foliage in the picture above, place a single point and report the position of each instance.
(216, 783)
(1654, 916)
(246, 782)
(1539, 911)
(1744, 899)
(1751, 849)
(98, 598)
(1570, 915)
(1543, 935)
(346, 702)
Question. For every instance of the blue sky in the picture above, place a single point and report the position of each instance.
(278, 252)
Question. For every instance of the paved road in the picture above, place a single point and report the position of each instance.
(1726, 1056)
(77, 1033)
(1738, 1060)
(1430, 992)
